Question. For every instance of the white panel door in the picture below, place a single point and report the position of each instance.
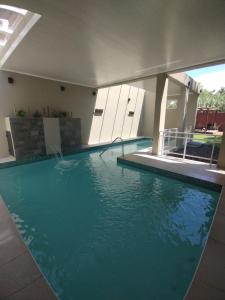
(128, 120)
(137, 113)
(97, 120)
(121, 111)
(110, 114)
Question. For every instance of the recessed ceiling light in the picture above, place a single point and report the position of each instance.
(3, 43)
(14, 25)
(4, 26)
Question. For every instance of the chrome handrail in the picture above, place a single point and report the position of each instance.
(122, 143)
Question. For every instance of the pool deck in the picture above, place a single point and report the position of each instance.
(20, 277)
(208, 282)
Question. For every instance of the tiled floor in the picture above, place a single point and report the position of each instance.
(209, 280)
(20, 277)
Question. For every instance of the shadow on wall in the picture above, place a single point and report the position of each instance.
(117, 113)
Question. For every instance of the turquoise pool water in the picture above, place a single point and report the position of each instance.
(104, 231)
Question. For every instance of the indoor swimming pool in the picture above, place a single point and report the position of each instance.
(101, 230)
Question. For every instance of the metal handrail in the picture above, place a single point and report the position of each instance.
(122, 143)
(167, 131)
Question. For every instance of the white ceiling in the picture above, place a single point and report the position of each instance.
(149, 84)
(99, 42)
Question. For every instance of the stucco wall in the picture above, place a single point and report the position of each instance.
(148, 109)
(174, 116)
(191, 111)
(121, 112)
(171, 118)
(31, 93)
(147, 117)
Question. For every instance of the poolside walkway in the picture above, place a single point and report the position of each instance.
(208, 281)
(20, 277)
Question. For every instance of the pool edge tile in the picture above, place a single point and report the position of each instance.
(19, 269)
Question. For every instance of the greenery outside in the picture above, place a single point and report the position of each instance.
(212, 99)
(207, 138)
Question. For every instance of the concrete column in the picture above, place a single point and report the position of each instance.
(160, 111)
(182, 109)
(221, 159)
(191, 111)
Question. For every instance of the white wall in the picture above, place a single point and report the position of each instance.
(192, 111)
(110, 113)
(148, 114)
(174, 116)
(120, 115)
(31, 93)
(172, 119)
(116, 103)
(148, 109)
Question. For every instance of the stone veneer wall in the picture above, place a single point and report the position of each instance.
(28, 137)
(70, 132)
(29, 141)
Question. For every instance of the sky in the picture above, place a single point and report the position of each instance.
(212, 78)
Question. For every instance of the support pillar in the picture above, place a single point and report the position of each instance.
(221, 158)
(160, 111)
(191, 111)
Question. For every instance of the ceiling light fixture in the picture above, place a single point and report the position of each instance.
(15, 9)
(3, 43)
(15, 23)
(4, 26)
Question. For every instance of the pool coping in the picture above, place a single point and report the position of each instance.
(193, 180)
(20, 275)
(208, 280)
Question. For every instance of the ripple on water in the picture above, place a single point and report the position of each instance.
(105, 231)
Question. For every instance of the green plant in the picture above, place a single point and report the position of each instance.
(212, 99)
(21, 113)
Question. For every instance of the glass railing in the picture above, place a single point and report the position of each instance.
(189, 145)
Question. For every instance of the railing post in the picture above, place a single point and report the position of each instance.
(212, 153)
(176, 136)
(122, 148)
(162, 133)
(185, 146)
(169, 134)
